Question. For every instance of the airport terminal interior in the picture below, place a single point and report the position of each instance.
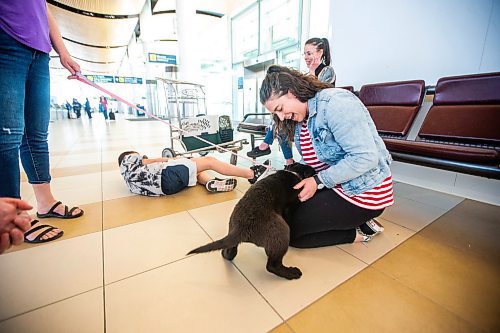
(123, 266)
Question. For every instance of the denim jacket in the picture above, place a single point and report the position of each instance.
(344, 136)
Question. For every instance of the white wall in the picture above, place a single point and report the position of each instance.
(392, 40)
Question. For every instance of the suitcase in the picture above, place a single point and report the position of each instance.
(111, 115)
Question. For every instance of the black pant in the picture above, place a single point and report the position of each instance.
(327, 219)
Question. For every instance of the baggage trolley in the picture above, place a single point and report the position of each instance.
(183, 104)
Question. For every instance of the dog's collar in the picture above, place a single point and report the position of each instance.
(296, 174)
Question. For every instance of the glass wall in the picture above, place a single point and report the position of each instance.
(266, 32)
(245, 34)
(279, 24)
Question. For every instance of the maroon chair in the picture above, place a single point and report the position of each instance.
(393, 105)
(461, 131)
(349, 88)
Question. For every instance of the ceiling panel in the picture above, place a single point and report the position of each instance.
(94, 30)
(109, 7)
(95, 54)
(97, 32)
(86, 67)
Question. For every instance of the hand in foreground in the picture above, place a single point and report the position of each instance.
(14, 221)
(309, 188)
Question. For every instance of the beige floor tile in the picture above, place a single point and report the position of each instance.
(283, 328)
(75, 190)
(197, 294)
(392, 236)
(471, 226)
(39, 276)
(113, 185)
(426, 196)
(131, 209)
(214, 219)
(146, 208)
(79, 314)
(462, 282)
(323, 269)
(77, 159)
(373, 302)
(145, 245)
(411, 214)
(83, 169)
(89, 222)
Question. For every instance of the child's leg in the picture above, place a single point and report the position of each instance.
(210, 163)
(203, 177)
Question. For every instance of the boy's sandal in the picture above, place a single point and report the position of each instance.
(38, 238)
(68, 214)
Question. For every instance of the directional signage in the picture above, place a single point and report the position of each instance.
(100, 78)
(163, 58)
(128, 79)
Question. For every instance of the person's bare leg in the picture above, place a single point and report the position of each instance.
(263, 146)
(45, 200)
(226, 169)
(203, 177)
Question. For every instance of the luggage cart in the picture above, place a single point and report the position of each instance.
(183, 104)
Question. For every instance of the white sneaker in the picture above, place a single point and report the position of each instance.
(375, 226)
(221, 185)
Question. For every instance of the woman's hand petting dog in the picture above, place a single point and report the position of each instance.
(309, 188)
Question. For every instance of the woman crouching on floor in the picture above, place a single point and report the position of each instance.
(334, 134)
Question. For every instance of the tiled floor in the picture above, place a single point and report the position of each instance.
(122, 267)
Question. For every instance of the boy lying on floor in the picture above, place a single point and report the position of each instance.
(160, 176)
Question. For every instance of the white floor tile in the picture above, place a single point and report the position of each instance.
(425, 196)
(411, 214)
(138, 247)
(392, 236)
(83, 313)
(197, 294)
(45, 274)
(323, 269)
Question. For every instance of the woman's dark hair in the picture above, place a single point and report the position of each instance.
(279, 81)
(321, 44)
(122, 156)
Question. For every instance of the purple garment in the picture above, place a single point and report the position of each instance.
(26, 21)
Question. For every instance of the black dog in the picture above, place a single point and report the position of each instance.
(259, 218)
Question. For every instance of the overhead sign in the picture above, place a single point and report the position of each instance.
(163, 58)
(100, 78)
(128, 79)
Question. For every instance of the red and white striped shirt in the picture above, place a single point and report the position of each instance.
(379, 197)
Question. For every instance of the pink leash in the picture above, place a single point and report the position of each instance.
(83, 79)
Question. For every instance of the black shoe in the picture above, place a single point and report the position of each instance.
(259, 171)
(256, 152)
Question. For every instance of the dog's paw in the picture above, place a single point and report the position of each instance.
(230, 253)
(292, 273)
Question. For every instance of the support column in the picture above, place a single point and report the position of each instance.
(188, 59)
(146, 38)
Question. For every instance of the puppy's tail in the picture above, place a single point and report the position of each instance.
(224, 243)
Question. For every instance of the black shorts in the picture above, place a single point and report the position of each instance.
(174, 178)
